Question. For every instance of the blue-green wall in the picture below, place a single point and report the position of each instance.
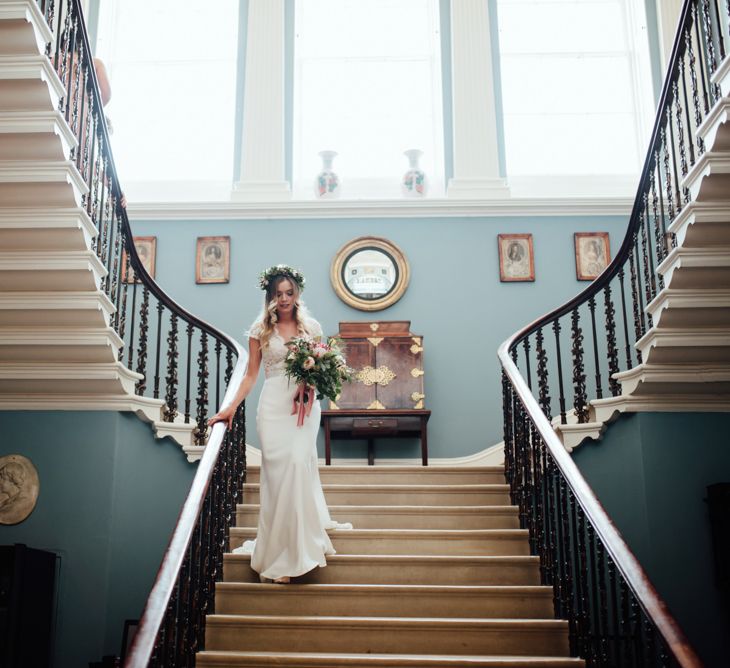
(109, 497)
(651, 472)
(455, 299)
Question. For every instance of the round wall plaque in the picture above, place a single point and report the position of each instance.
(19, 487)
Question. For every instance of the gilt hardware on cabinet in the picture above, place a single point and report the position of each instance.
(417, 372)
(375, 340)
(380, 376)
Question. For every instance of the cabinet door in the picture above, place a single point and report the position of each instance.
(402, 357)
(360, 354)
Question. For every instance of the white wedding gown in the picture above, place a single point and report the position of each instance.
(293, 519)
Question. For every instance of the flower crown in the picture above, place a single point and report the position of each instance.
(265, 277)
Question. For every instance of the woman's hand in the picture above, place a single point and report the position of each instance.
(226, 415)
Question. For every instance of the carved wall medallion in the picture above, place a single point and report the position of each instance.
(370, 376)
(370, 274)
(19, 487)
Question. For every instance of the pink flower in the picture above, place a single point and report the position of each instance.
(318, 351)
(308, 363)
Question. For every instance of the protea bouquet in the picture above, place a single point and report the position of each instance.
(318, 367)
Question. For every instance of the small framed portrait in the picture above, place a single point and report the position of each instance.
(516, 258)
(212, 259)
(592, 254)
(147, 250)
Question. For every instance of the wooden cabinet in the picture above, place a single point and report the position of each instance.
(388, 363)
(386, 398)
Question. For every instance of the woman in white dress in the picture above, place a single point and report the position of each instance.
(293, 518)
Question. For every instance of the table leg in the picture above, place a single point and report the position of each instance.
(327, 446)
(424, 442)
(371, 452)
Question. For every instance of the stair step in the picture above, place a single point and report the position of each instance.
(382, 635)
(23, 29)
(28, 378)
(332, 660)
(44, 271)
(437, 495)
(29, 82)
(699, 307)
(416, 541)
(702, 224)
(55, 309)
(709, 177)
(404, 475)
(683, 379)
(49, 344)
(35, 135)
(48, 229)
(384, 600)
(36, 183)
(408, 517)
(700, 268)
(403, 569)
(665, 345)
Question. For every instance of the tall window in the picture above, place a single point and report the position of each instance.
(577, 94)
(367, 84)
(172, 67)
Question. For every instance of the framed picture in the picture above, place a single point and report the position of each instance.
(147, 250)
(212, 259)
(516, 258)
(592, 254)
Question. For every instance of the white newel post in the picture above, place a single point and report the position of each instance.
(262, 157)
(476, 158)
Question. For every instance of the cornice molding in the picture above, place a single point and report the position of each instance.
(435, 208)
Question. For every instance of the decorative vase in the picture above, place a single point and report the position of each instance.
(414, 183)
(327, 183)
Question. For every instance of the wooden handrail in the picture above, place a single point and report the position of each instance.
(623, 557)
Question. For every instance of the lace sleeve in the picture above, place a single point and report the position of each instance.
(254, 332)
(314, 328)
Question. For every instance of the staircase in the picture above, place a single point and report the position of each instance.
(60, 338)
(436, 572)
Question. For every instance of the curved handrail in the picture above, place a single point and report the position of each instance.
(622, 555)
(189, 564)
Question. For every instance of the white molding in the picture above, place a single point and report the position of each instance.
(257, 191)
(52, 261)
(722, 76)
(39, 122)
(662, 337)
(717, 117)
(605, 410)
(60, 301)
(430, 208)
(28, 10)
(42, 171)
(70, 374)
(668, 375)
(711, 163)
(30, 220)
(692, 258)
(36, 68)
(687, 298)
(573, 435)
(91, 337)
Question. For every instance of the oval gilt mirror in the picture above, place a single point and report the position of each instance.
(370, 273)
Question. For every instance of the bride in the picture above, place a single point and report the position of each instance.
(293, 518)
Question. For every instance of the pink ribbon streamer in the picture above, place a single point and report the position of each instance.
(302, 409)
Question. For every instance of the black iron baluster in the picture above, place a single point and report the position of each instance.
(611, 344)
(690, 134)
(649, 285)
(217, 373)
(675, 171)
(123, 287)
(667, 174)
(567, 581)
(49, 16)
(169, 411)
(680, 124)
(709, 44)
(116, 269)
(627, 346)
(580, 400)
(542, 375)
(561, 399)
(635, 292)
(143, 329)
(201, 431)
(700, 57)
(189, 332)
(156, 386)
(526, 346)
(596, 630)
(133, 312)
(693, 85)
(576, 556)
(720, 37)
(599, 381)
(615, 619)
(659, 235)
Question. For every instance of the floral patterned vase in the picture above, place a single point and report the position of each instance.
(414, 182)
(327, 183)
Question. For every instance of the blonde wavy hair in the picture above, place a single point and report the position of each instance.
(301, 314)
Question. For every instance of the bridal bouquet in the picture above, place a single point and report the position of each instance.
(316, 367)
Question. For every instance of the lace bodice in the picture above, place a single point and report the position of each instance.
(274, 354)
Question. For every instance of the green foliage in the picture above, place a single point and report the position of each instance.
(317, 364)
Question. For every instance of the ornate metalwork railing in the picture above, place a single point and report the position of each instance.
(181, 365)
(569, 355)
